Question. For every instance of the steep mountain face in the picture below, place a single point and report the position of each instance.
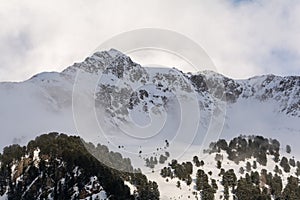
(284, 90)
(120, 76)
(109, 93)
(124, 95)
(140, 112)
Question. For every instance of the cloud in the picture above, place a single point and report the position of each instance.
(243, 38)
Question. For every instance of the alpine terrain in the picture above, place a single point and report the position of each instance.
(109, 128)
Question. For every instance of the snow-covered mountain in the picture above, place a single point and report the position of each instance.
(142, 111)
(111, 91)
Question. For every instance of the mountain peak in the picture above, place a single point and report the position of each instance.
(113, 53)
(101, 61)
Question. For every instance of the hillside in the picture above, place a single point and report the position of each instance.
(244, 168)
(56, 166)
(108, 94)
(151, 117)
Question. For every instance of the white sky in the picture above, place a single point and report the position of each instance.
(243, 38)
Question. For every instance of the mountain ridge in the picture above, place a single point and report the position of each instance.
(113, 59)
(145, 112)
(52, 93)
(117, 64)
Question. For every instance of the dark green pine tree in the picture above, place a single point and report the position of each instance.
(196, 159)
(189, 180)
(255, 178)
(284, 163)
(226, 191)
(219, 164)
(292, 162)
(202, 185)
(298, 171)
(214, 184)
(254, 166)
(292, 189)
(248, 166)
(149, 191)
(230, 178)
(247, 191)
(201, 179)
(288, 148)
(276, 186)
(208, 192)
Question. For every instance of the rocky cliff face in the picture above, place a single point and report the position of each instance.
(127, 83)
(117, 91)
(284, 90)
(110, 87)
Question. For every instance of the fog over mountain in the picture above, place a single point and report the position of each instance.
(124, 91)
(152, 113)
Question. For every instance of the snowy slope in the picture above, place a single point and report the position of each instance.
(169, 190)
(134, 110)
